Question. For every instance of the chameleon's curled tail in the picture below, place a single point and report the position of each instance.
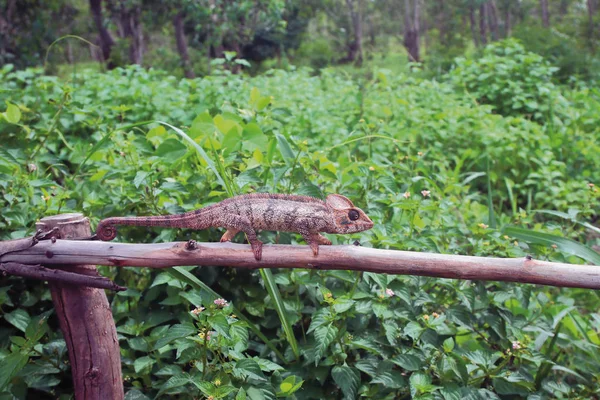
(106, 231)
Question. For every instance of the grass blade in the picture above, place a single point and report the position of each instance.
(199, 149)
(565, 245)
(273, 291)
(568, 217)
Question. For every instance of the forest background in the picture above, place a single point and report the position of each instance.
(459, 126)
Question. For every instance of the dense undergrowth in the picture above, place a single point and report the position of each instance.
(449, 167)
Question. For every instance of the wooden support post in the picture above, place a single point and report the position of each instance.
(86, 321)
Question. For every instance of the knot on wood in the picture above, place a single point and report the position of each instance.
(93, 375)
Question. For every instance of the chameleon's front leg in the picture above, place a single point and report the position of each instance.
(314, 239)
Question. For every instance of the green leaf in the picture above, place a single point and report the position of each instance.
(175, 382)
(324, 336)
(407, 361)
(503, 386)
(285, 148)
(565, 245)
(177, 331)
(254, 138)
(219, 323)
(19, 319)
(12, 114)
(289, 385)
(420, 383)
(247, 367)
(10, 367)
(171, 150)
(241, 394)
(135, 394)
(448, 345)
(143, 363)
(347, 378)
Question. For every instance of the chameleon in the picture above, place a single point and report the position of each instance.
(250, 212)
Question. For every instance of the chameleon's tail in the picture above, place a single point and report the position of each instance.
(107, 230)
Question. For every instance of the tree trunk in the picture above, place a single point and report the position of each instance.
(355, 50)
(106, 39)
(483, 24)
(492, 12)
(182, 46)
(591, 11)
(86, 321)
(473, 26)
(411, 30)
(507, 22)
(129, 27)
(545, 14)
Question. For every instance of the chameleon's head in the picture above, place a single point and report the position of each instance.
(347, 218)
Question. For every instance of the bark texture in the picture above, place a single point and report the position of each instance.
(411, 30)
(86, 321)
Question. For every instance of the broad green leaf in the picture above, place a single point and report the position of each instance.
(247, 367)
(177, 331)
(140, 364)
(19, 319)
(407, 362)
(347, 378)
(171, 150)
(324, 336)
(10, 366)
(12, 114)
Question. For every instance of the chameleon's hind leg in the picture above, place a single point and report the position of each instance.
(230, 234)
(236, 224)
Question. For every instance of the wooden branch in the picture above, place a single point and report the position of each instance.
(57, 275)
(162, 255)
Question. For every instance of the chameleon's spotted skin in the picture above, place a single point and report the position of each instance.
(251, 212)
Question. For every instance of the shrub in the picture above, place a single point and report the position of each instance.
(511, 79)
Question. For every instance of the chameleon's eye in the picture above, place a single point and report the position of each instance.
(353, 215)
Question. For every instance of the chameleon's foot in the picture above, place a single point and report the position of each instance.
(315, 247)
(322, 239)
(257, 249)
(229, 234)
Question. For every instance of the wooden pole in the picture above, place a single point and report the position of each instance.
(86, 322)
(162, 255)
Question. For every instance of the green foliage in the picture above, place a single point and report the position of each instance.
(315, 53)
(430, 166)
(512, 80)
